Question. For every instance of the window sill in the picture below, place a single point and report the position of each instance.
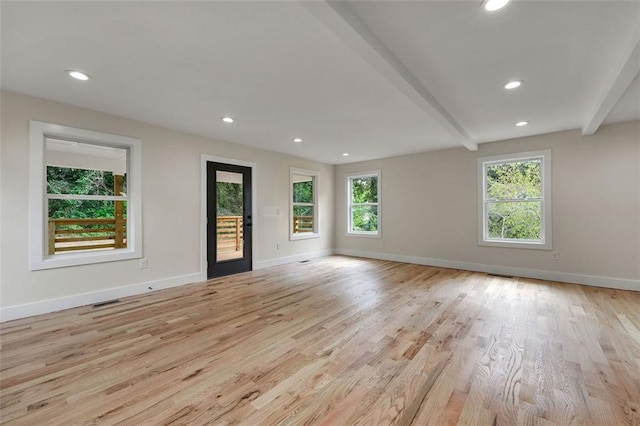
(515, 244)
(78, 259)
(304, 236)
(364, 234)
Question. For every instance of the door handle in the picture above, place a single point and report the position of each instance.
(248, 224)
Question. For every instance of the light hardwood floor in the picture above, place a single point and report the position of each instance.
(334, 341)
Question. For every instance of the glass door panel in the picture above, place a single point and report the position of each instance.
(229, 216)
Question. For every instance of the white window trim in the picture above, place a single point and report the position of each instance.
(38, 214)
(315, 175)
(348, 178)
(546, 225)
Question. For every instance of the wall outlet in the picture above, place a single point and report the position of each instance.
(277, 246)
(554, 255)
(144, 263)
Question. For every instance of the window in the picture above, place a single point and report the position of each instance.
(515, 200)
(85, 197)
(304, 204)
(363, 204)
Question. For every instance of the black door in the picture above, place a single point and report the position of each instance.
(228, 219)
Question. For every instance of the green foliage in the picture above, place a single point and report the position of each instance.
(364, 218)
(303, 192)
(303, 211)
(229, 199)
(65, 180)
(81, 209)
(516, 220)
(364, 190)
(517, 180)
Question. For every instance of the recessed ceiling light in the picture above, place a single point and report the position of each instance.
(78, 75)
(522, 123)
(345, 154)
(513, 84)
(228, 119)
(297, 140)
(493, 5)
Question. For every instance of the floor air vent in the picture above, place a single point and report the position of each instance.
(304, 261)
(501, 276)
(108, 302)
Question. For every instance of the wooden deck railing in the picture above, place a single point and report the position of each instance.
(86, 234)
(302, 224)
(229, 233)
(90, 234)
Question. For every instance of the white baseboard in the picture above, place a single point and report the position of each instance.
(45, 306)
(590, 280)
(9, 313)
(291, 259)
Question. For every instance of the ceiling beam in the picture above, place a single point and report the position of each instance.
(615, 87)
(339, 18)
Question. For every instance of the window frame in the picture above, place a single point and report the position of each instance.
(38, 210)
(349, 177)
(315, 175)
(545, 242)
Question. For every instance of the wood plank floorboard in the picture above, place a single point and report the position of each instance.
(335, 341)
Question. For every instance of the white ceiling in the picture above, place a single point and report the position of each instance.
(372, 78)
(89, 150)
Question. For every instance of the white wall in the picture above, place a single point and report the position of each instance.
(430, 209)
(171, 210)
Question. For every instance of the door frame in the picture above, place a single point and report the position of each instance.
(204, 159)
